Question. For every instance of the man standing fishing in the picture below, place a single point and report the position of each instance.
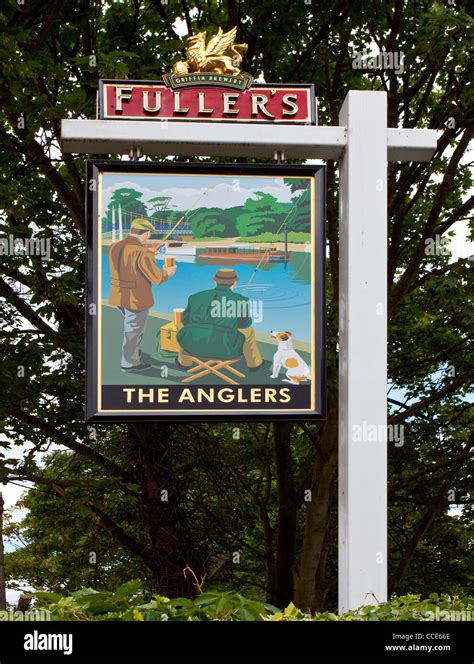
(133, 270)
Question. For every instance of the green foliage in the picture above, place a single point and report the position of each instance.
(300, 215)
(404, 608)
(163, 210)
(264, 214)
(57, 545)
(206, 222)
(129, 201)
(130, 603)
(159, 203)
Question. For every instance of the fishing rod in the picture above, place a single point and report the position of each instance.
(267, 251)
(184, 215)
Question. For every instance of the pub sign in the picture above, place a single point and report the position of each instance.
(205, 291)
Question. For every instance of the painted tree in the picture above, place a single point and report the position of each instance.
(260, 215)
(163, 210)
(128, 200)
(269, 496)
(299, 220)
(159, 203)
(211, 222)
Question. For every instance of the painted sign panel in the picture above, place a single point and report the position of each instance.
(208, 101)
(205, 291)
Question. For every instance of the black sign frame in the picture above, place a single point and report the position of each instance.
(272, 412)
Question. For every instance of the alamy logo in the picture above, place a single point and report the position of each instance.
(34, 615)
(453, 616)
(39, 641)
(383, 60)
(25, 246)
(229, 308)
(378, 433)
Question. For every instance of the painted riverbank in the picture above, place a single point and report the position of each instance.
(164, 369)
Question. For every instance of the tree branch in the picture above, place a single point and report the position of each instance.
(426, 471)
(24, 308)
(304, 427)
(444, 189)
(63, 439)
(436, 396)
(425, 523)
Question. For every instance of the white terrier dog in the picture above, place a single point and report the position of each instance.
(287, 357)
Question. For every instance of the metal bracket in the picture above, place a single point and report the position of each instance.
(135, 153)
(279, 156)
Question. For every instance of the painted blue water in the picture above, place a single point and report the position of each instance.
(285, 294)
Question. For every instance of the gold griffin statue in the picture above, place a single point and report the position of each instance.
(220, 55)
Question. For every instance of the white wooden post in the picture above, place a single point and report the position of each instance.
(363, 352)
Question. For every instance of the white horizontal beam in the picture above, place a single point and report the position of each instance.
(202, 138)
(231, 140)
(411, 144)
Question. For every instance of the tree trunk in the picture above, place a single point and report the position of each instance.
(170, 555)
(323, 585)
(317, 514)
(3, 590)
(286, 534)
(268, 531)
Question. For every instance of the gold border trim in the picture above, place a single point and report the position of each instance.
(99, 300)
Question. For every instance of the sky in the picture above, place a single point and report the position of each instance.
(184, 190)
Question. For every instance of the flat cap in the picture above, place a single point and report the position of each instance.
(142, 225)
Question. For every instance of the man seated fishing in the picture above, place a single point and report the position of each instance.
(217, 324)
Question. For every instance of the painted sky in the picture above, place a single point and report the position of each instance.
(224, 192)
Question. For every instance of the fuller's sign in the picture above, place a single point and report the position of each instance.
(207, 97)
(208, 86)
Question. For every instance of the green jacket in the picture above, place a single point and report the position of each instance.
(211, 323)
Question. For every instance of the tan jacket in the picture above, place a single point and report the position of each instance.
(132, 271)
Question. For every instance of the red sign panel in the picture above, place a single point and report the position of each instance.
(143, 100)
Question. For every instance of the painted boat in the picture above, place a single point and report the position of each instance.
(175, 248)
(243, 254)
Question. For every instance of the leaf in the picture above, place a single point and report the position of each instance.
(245, 614)
(84, 592)
(207, 599)
(48, 598)
(129, 588)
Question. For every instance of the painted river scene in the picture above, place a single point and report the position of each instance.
(258, 226)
